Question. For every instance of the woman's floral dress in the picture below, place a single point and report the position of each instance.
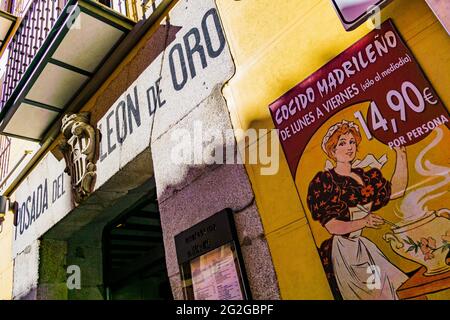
(330, 196)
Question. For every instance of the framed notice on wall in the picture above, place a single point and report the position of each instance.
(210, 261)
(215, 275)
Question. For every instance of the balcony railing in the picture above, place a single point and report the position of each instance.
(59, 46)
(134, 9)
(34, 29)
(38, 22)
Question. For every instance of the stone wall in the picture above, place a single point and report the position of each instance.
(188, 192)
(26, 272)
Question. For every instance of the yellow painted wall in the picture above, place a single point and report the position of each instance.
(275, 45)
(6, 264)
(17, 150)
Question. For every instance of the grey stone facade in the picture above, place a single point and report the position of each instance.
(187, 193)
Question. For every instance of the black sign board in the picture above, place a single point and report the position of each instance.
(210, 260)
(209, 234)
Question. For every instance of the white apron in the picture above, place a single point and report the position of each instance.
(362, 271)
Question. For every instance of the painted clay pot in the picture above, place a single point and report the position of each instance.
(425, 241)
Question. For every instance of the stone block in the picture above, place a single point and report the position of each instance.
(190, 148)
(26, 267)
(52, 291)
(87, 293)
(248, 223)
(195, 76)
(131, 175)
(52, 263)
(260, 271)
(177, 290)
(225, 187)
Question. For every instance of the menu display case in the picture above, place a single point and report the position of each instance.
(210, 260)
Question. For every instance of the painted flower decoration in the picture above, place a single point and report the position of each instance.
(367, 191)
(427, 245)
(446, 237)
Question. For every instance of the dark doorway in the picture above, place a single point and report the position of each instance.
(133, 253)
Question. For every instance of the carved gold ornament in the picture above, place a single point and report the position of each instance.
(79, 147)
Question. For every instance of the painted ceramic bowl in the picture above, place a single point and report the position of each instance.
(425, 241)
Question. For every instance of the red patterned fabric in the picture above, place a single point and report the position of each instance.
(330, 196)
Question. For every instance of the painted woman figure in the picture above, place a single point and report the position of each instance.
(342, 198)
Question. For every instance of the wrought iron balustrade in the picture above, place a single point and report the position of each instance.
(37, 23)
(35, 26)
(134, 9)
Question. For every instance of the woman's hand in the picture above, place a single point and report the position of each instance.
(400, 151)
(399, 179)
(373, 221)
(338, 227)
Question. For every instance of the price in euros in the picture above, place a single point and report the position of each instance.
(408, 97)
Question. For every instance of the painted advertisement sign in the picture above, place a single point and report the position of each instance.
(365, 138)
